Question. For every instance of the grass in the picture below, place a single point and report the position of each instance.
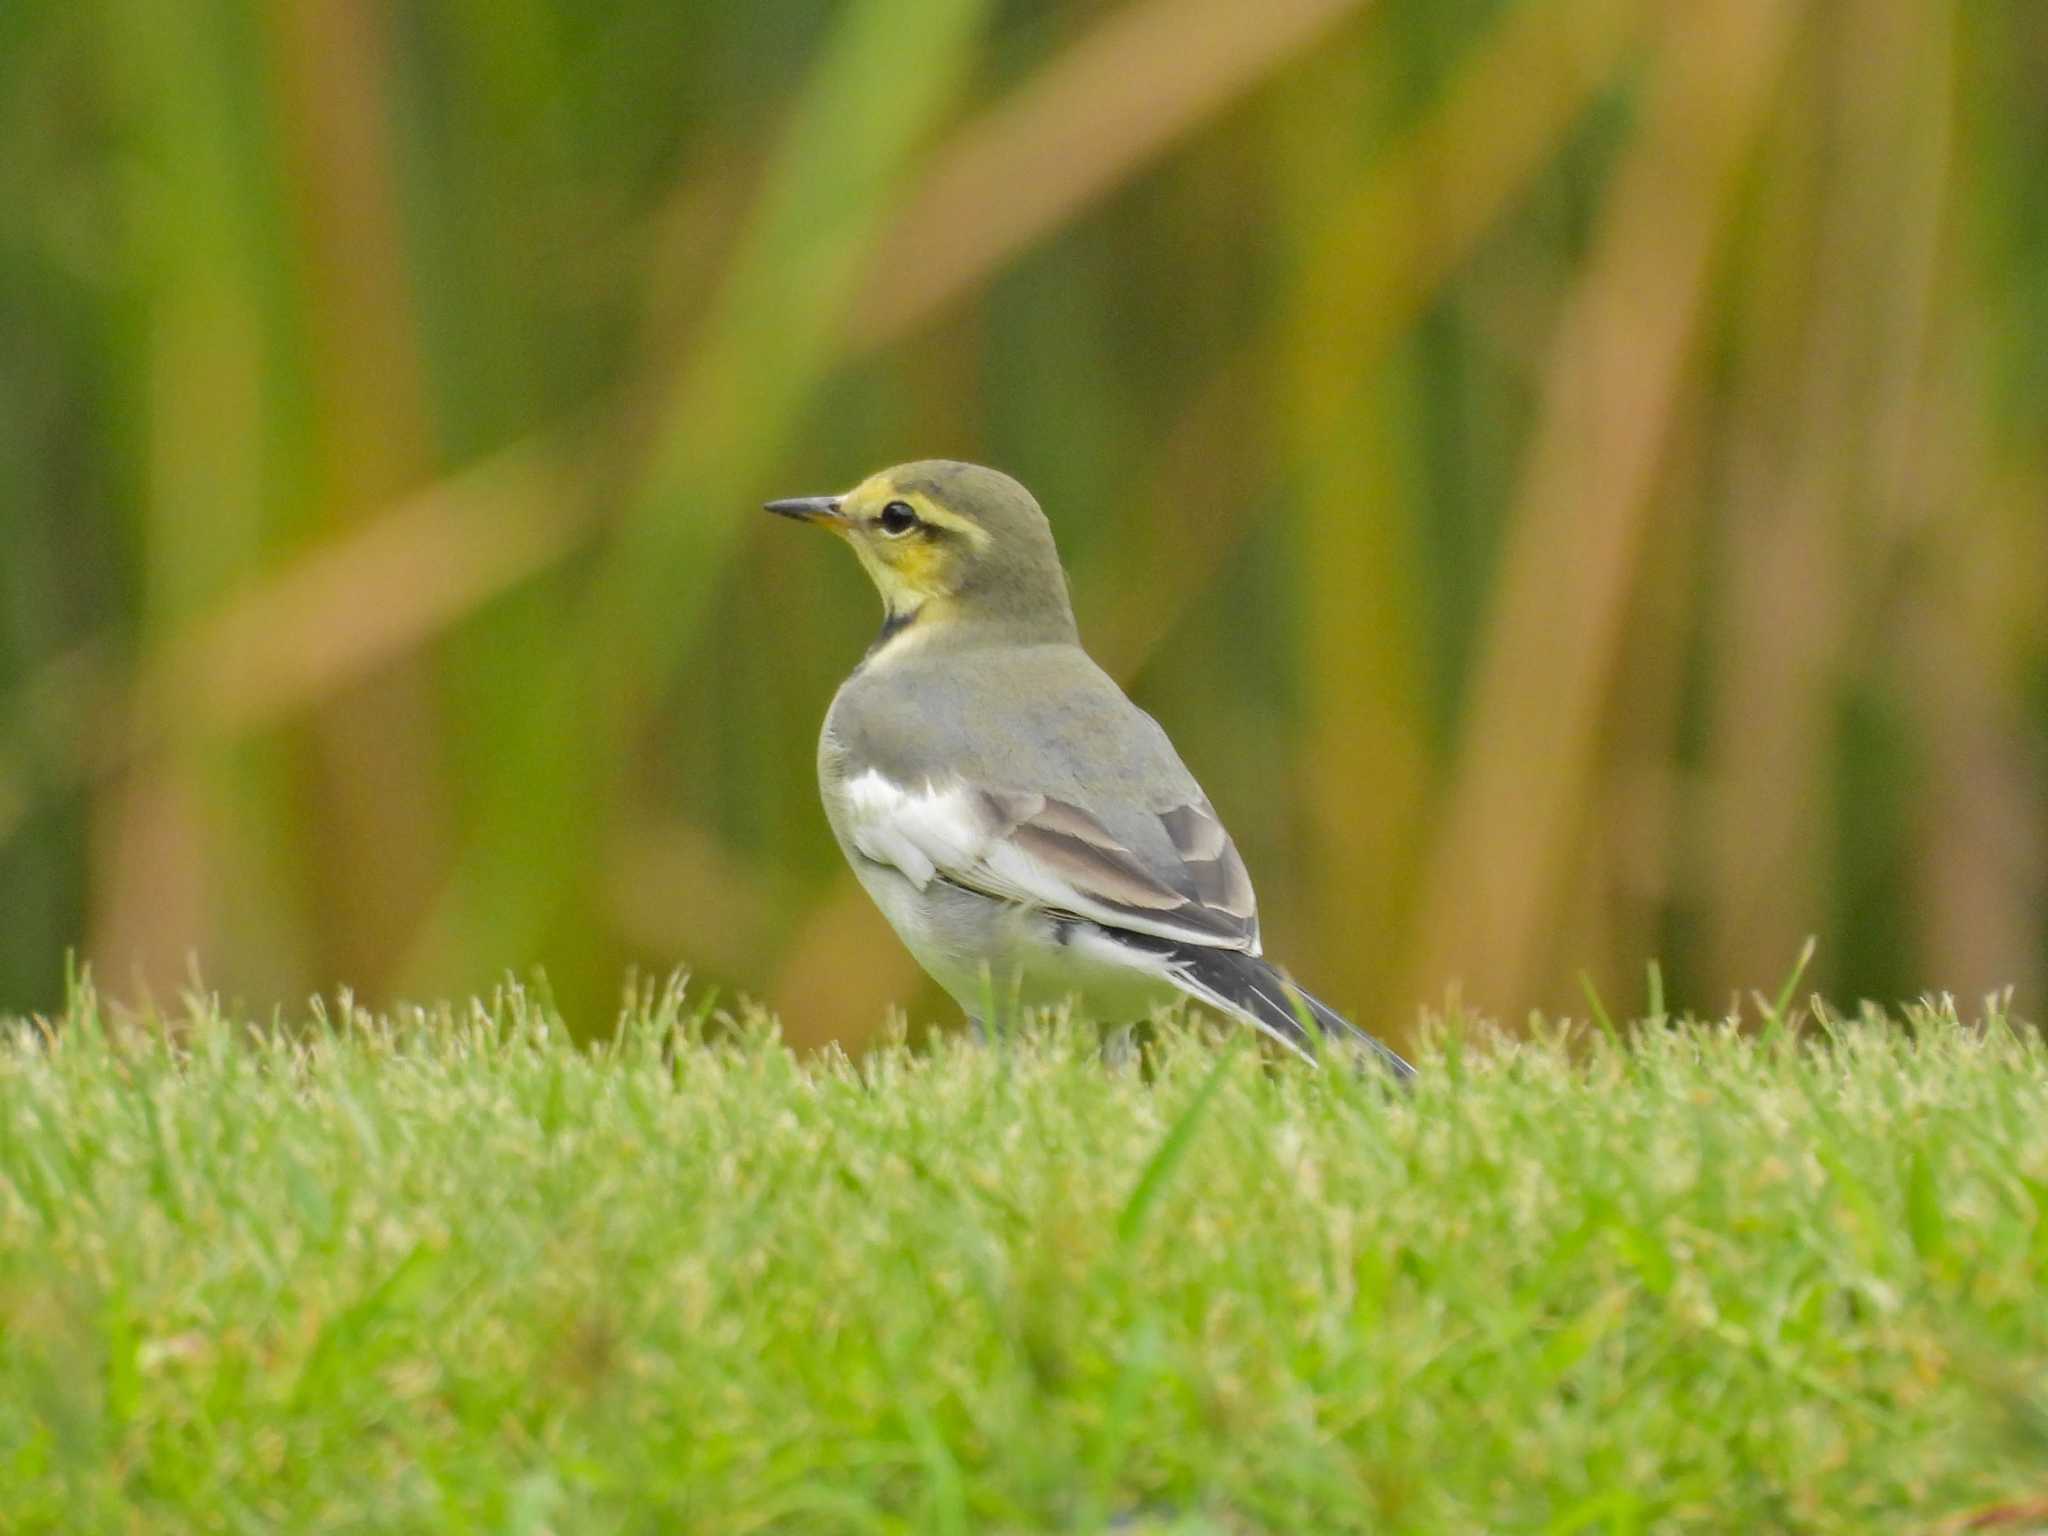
(452, 1272)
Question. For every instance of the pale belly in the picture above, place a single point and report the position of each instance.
(988, 953)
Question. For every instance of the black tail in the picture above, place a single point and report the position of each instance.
(1247, 986)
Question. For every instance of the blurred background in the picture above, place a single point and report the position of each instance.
(1572, 475)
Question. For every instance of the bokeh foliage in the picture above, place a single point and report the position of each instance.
(1571, 474)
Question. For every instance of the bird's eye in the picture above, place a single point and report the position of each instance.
(897, 519)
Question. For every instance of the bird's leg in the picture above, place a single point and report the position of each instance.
(1120, 1048)
(993, 1022)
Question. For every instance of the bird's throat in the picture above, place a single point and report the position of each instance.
(894, 623)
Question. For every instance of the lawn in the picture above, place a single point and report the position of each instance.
(452, 1271)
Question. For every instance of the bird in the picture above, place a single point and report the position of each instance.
(1029, 832)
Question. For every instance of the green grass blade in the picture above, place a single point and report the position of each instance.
(1173, 1146)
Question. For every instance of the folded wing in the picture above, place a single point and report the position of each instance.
(1184, 881)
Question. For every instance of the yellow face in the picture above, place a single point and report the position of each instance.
(954, 549)
(914, 549)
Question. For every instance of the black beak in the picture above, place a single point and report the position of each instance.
(806, 509)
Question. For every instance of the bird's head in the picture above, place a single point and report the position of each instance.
(950, 545)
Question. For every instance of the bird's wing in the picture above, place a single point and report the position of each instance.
(1188, 884)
